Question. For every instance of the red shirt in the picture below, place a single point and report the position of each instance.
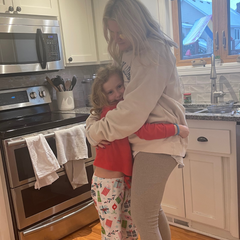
(118, 155)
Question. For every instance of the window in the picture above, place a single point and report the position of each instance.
(203, 27)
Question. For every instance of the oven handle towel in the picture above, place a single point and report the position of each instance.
(43, 159)
(71, 151)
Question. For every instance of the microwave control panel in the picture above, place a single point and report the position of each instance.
(52, 47)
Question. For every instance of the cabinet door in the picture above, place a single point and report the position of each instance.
(204, 189)
(173, 198)
(4, 5)
(103, 54)
(78, 31)
(152, 6)
(36, 7)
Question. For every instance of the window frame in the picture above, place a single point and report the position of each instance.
(220, 24)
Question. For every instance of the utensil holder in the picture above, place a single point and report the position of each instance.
(65, 100)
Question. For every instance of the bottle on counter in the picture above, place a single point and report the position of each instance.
(187, 98)
(87, 88)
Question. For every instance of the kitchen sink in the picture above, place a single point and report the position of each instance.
(213, 109)
(195, 110)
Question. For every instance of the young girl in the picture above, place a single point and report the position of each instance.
(111, 183)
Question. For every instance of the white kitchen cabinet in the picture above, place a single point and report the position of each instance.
(204, 189)
(82, 29)
(173, 199)
(152, 6)
(32, 7)
(203, 175)
(78, 32)
(103, 54)
(208, 183)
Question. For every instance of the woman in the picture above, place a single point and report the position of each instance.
(152, 95)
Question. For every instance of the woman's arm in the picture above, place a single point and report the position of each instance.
(91, 120)
(141, 96)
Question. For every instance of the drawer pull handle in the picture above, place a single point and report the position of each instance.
(202, 139)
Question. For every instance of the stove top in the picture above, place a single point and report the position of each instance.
(31, 116)
(31, 124)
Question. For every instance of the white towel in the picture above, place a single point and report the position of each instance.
(71, 150)
(44, 161)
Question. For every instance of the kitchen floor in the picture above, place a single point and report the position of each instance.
(93, 232)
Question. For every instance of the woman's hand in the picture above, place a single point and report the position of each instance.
(102, 144)
(183, 131)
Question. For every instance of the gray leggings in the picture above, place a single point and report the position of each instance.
(150, 174)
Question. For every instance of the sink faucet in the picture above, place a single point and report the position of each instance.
(213, 76)
(223, 81)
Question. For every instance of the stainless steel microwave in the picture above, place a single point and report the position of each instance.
(29, 45)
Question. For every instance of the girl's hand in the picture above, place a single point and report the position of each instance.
(183, 131)
(102, 144)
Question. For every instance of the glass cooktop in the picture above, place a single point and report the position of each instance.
(15, 123)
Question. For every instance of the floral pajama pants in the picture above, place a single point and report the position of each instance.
(112, 201)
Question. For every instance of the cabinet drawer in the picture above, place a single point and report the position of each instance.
(209, 140)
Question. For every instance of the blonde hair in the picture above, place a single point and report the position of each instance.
(98, 98)
(136, 24)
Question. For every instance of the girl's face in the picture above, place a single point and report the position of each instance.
(117, 36)
(114, 89)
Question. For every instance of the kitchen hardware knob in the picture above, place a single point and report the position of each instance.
(202, 139)
(42, 94)
(10, 9)
(33, 95)
(70, 59)
(18, 9)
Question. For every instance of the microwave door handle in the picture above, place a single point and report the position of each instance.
(39, 41)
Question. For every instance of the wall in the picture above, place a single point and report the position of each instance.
(200, 87)
(27, 80)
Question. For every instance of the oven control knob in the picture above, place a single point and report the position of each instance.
(42, 94)
(33, 95)
(10, 9)
(18, 9)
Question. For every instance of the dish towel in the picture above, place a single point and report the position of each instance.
(71, 150)
(44, 162)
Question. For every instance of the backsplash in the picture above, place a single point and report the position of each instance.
(200, 87)
(38, 79)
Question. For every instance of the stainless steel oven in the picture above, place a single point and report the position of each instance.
(55, 210)
(29, 45)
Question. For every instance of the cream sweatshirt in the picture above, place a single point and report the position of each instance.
(152, 95)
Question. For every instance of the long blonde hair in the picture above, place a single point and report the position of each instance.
(98, 98)
(136, 24)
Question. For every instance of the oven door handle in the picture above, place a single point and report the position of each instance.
(23, 141)
(34, 229)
